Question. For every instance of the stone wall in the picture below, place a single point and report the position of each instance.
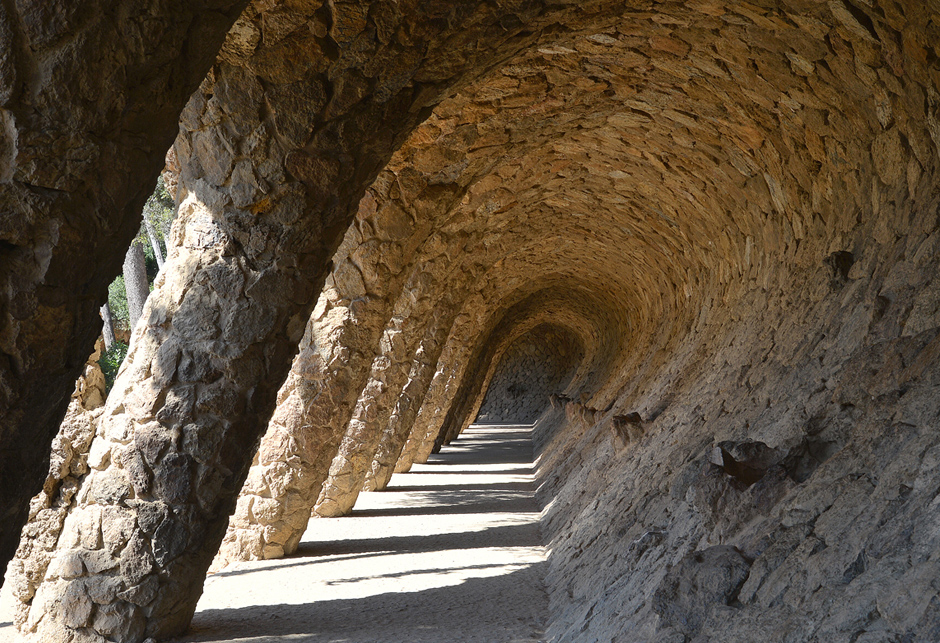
(781, 477)
(533, 368)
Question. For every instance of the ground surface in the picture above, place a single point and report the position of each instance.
(450, 552)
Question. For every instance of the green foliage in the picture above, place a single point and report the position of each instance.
(148, 252)
(110, 362)
(159, 210)
(150, 262)
(117, 302)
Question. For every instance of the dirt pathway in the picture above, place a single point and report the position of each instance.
(450, 552)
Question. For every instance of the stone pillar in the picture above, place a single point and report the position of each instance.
(89, 100)
(285, 477)
(47, 510)
(177, 434)
(434, 409)
(313, 409)
(318, 399)
(409, 402)
(389, 373)
(373, 409)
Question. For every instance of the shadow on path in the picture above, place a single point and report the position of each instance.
(444, 554)
(462, 612)
(523, 535)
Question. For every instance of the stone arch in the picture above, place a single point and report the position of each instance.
(338, 497)
(728, 153)
(483, 333)
(486, 356)
(259, 219)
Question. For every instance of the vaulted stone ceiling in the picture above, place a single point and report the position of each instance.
(731, 205)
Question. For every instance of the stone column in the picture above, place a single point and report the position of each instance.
(409, 402)
(430, 286)
(434, 409)
(177, 434)
(375, 405)
(427, 424)
(89, 100)
(67, 463)
(319, 397)
(313, 409)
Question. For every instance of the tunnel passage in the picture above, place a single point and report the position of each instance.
(536, 366)
(748, 189)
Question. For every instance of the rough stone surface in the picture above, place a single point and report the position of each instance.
(377, 401)
(261, 148)
(731, 206)
(89, 98)
(401, 424)
(48, 509)
(533, 368)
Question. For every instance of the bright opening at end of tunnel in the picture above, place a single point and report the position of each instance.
(450, 551)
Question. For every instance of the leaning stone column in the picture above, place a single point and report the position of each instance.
(319, 397)
(348, 468)
(387, 378)
(47, 510)
(274, 505)
(177, 434)
(89, 100)
(409, 402)
(251, 247)
(436, 403)
(314, 407)
(409, 451)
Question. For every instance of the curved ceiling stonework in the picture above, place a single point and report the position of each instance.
(732, 207)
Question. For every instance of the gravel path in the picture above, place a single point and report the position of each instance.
(450, 552)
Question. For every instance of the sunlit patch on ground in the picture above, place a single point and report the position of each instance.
(450, 552)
